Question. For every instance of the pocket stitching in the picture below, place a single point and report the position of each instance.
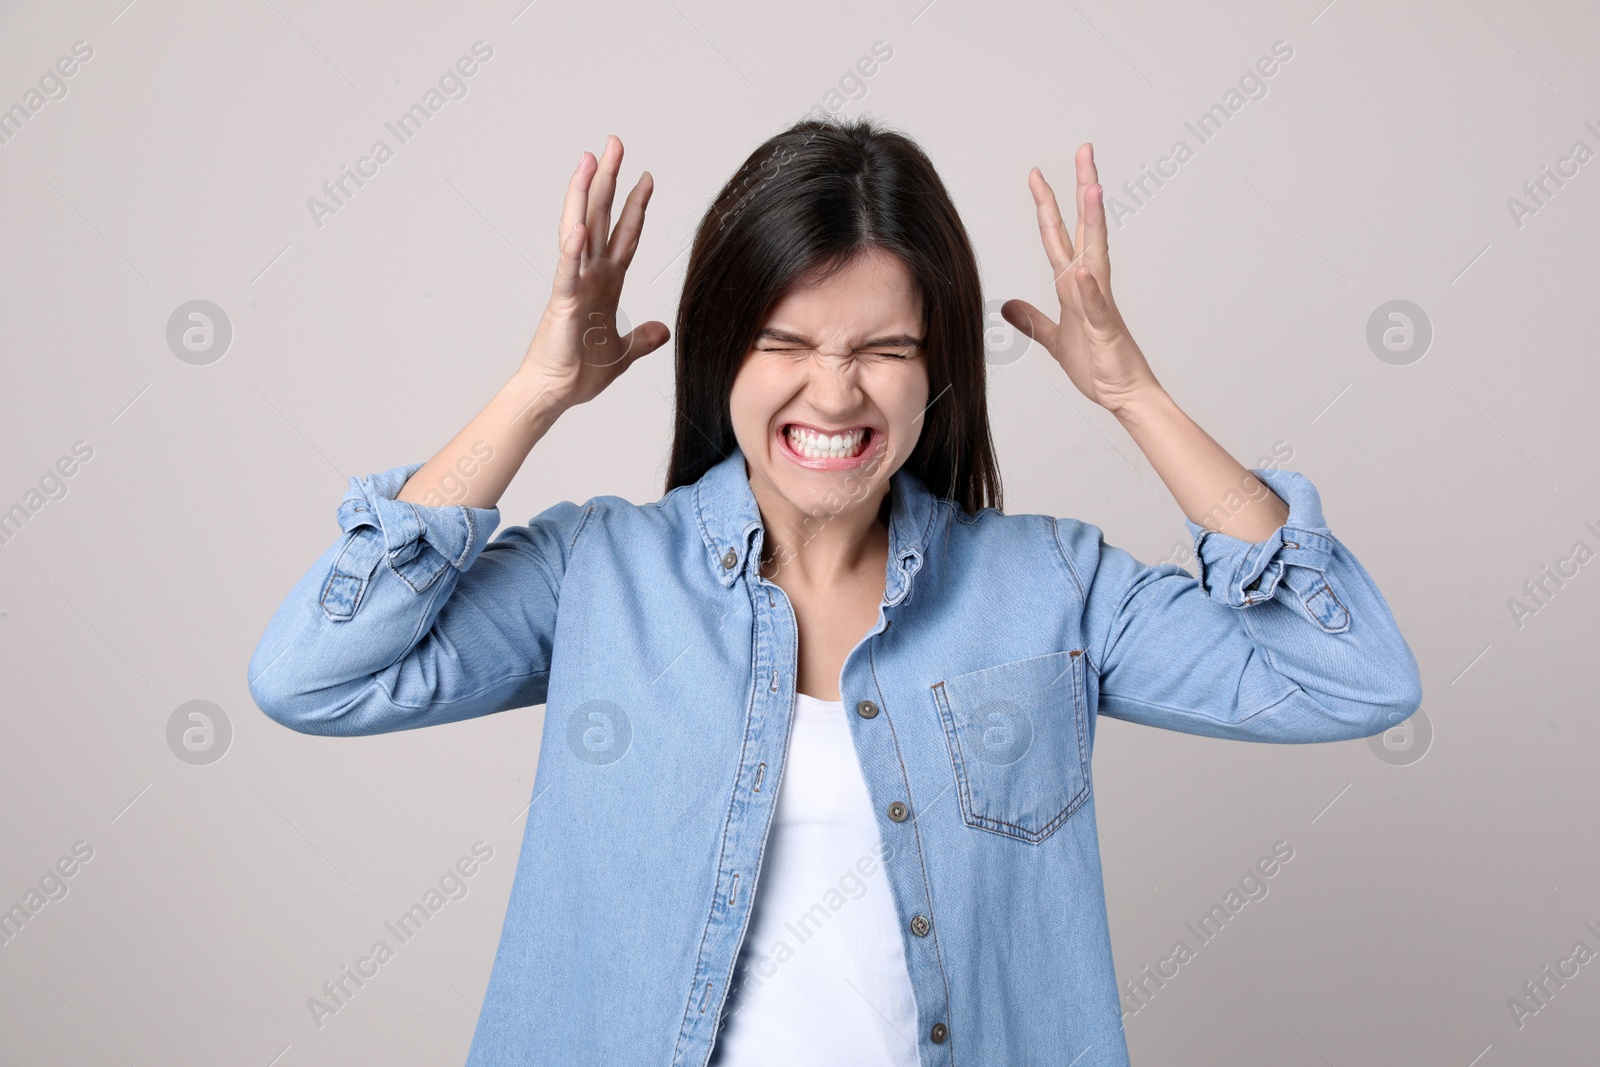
(952, 742)
(957, 759)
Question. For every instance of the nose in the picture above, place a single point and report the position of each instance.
(834, 388)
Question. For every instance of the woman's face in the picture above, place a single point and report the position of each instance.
(838, 362)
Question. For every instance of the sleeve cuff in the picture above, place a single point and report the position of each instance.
(418, 541)
(1239, 573)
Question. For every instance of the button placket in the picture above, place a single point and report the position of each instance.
(925, 966)
(732, 908)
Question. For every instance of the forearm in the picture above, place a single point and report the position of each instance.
(1213, 489)
(480, 461)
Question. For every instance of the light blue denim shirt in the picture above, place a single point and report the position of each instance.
(667, 667)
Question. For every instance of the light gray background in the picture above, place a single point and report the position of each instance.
(1422, 895)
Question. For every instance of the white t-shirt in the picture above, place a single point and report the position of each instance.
(821, 977)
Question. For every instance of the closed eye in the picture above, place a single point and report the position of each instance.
(886, 346)
(889, 355)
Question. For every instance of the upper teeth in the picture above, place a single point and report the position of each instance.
(814, 445)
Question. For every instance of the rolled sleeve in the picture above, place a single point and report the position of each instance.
(1287, 639)
(415, 541)
(409, 618)
(1239, 573)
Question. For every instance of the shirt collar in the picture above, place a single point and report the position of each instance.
(730, 522)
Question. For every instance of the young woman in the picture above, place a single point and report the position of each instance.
(814, 781)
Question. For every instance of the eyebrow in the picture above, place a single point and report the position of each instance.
(899, 340)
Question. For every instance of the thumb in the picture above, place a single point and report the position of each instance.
(1032, 322)
(644, 339)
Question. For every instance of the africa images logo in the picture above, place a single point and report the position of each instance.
(452, 85)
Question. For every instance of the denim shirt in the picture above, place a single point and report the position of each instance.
(667, 665)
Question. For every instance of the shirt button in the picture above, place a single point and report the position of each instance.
(919, 926)
(939, 1033)
(729, 560)
(898, 811)
(866, 709)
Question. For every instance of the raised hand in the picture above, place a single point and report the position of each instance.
(575, 352)
(1091, 342)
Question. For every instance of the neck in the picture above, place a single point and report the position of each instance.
(826, 546)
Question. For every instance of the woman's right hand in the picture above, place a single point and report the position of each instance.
(576, 352)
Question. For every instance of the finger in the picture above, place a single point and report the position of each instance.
(1030, 321)
(1096, 253)
(565, 284)
(575, 206)
(1057, 243)
(1087, 174)
(644, 339)
(600, 195)
(1093, 299)
(626, 237)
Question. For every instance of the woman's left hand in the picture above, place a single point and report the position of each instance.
(1091, 342)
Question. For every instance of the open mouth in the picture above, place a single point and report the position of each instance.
(819, 448)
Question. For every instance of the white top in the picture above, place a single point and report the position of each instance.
(821, 977)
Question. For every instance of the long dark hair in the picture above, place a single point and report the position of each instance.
(804, 204)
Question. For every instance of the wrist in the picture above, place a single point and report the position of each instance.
(1141, 405)
(535, 397)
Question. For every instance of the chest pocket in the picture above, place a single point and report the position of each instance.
(1018, 743)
